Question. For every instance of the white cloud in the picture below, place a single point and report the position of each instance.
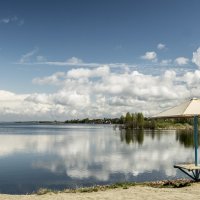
(13, 19)
(25, 58)
(150, 55)
(79, 73)
(72, 98)
(192, 79)
(40, 58)
(5, 20)
(161, 46)
(181, 61)
(86, 64)
(100, 92)
(7, 97)
(54, 79)
(166, 62)
(74, 61)
(82, 72)
(196, 57)
(32, 58)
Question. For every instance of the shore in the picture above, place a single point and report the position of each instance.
(134, 192)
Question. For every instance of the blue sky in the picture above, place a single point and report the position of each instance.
(48, 46)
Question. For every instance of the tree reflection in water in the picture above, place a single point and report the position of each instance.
(186, 138)
(132, 136)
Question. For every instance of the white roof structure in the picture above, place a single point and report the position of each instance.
(189, 108)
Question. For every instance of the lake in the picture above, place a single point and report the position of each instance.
(73, 156)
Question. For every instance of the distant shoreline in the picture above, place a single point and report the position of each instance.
(120, 126)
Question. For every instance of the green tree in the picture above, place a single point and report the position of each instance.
(134, 120)
(128, 120)
(122, 119)
(128, 117)
(140, 121)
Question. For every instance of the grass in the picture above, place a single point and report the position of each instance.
(96, 188)
(179, 183)
(158, 184)
(170, 125)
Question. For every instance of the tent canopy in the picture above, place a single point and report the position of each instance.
(189, 108)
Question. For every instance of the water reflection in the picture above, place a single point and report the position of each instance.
(137, 136)
(186, 138)
(132, 136)
(89, 156)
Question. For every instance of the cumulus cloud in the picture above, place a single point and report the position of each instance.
(81, 72)
(150, 55)
(100, 92)
(55, 79)
(161, 46)
(192, 79)
(181, 61)
(196, 57)
(74, 61)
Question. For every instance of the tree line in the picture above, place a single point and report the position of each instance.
(136, 121)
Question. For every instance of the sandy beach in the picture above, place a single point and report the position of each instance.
(135, 192)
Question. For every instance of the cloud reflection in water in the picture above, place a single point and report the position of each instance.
(100, 153)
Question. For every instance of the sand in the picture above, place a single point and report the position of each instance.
(135, 192)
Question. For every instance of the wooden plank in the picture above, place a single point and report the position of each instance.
(188, 167)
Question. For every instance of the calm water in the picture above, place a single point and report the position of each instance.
(71, 156)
